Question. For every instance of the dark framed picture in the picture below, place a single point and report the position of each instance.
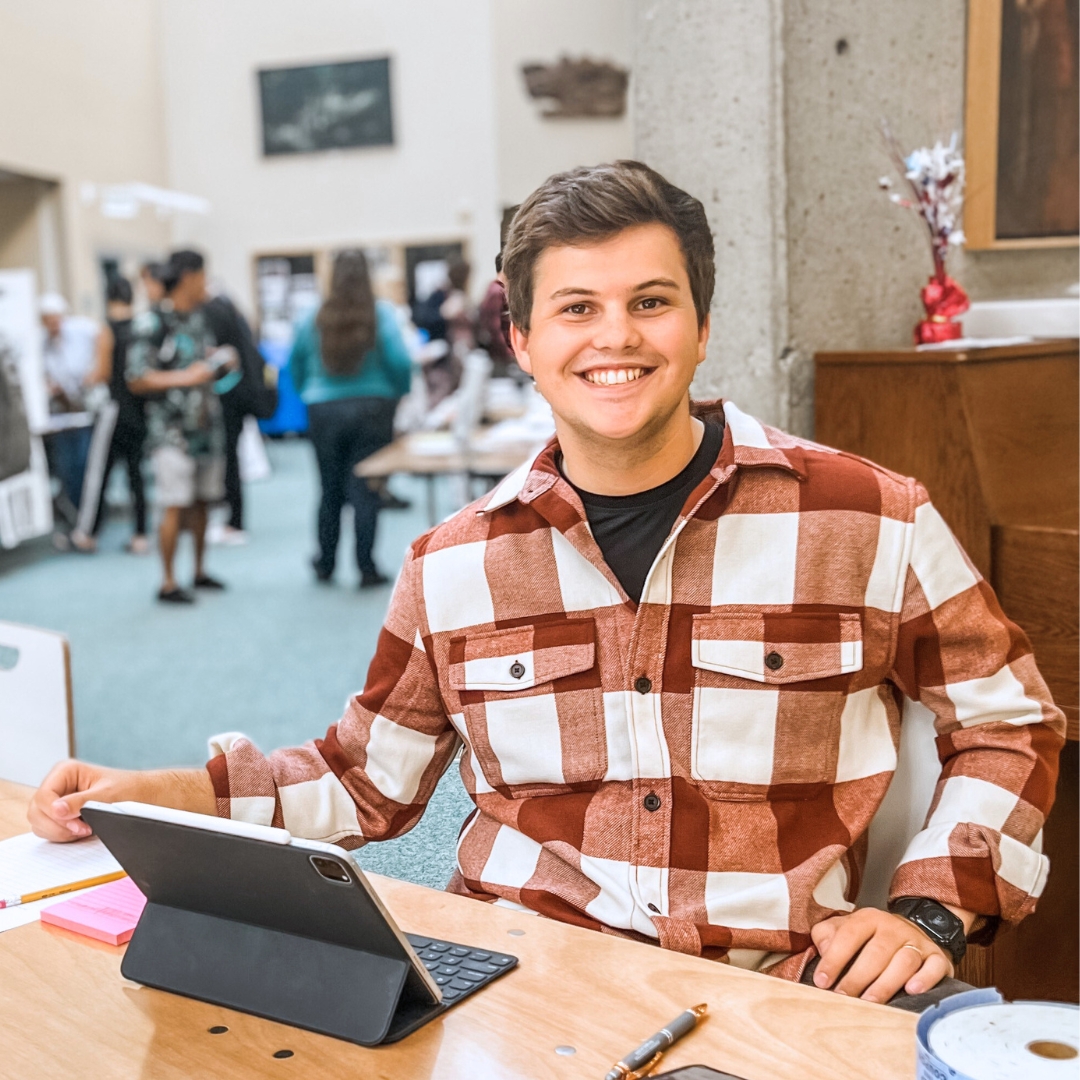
(1023, 117)
(326, 107)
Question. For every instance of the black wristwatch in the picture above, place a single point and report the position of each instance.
(936, 921)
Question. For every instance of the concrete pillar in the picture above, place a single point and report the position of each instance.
(708, 108)
(769, 111)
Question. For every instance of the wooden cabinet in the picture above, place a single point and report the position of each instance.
(994, 434)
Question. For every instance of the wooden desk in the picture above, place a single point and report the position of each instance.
(65, 1011)
(400, 457)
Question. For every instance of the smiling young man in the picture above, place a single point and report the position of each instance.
(675, 646)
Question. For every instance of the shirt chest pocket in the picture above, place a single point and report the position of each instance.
(532, 703)
(769, 693)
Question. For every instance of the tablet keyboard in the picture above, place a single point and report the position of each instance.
(458, 969)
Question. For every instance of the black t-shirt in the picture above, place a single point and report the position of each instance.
(631, 529)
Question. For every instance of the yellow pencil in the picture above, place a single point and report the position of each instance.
(59, 890)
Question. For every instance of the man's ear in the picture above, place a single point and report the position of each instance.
(519, 342)
(703, 337)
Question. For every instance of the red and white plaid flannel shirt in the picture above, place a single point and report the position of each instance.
(700, 768)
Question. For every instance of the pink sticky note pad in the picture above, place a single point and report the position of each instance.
(108, 913)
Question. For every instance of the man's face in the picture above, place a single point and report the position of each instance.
(614, 340)
(52, 324)
(190, 292)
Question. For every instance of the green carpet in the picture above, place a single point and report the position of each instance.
(275, 656)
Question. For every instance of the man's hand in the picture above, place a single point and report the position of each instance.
(895, 954)
(54, 808)
(223, 359)
(156, 382)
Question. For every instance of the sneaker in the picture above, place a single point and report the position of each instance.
(372, 579)
(389, 501)
(175, 595)
(230, 537)
(138, 545)
(205, 581)
(322, 575)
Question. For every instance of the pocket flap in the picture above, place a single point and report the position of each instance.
(522, 657)
(780, 648)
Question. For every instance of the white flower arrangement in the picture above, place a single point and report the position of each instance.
(936, 178)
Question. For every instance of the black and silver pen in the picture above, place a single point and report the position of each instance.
(641, 1061)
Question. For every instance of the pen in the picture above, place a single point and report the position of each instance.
(640, 1062)
(59, 890)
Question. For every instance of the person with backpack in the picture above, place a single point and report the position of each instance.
(173, 360)
(350, 366)
(120, 427)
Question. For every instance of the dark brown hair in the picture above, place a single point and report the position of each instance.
(592, 203)
(346, 320)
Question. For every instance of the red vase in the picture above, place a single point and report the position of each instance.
(944, 300)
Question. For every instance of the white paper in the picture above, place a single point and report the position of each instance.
(29, 864)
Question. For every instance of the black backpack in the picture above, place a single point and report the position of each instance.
(256, 392)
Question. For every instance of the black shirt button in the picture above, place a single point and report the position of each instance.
(774, 661)
(517, 669)
(643, 684)
(651, 801)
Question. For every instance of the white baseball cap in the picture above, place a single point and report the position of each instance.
(52, 303)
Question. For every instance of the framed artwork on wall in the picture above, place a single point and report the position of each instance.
(1022, 124)
(326, 107)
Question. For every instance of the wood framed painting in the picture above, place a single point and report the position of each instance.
(1022, 124)
(326, 107)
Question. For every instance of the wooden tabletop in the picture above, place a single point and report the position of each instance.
(965, 354)
(66, 1011)
(400, 457)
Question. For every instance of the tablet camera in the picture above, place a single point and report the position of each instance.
(331, 869)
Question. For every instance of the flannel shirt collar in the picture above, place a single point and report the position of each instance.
(747, 444)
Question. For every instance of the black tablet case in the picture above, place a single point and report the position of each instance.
(252, 925)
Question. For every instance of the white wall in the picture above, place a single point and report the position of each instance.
(531, 148)
(81, 93)
(438, 181)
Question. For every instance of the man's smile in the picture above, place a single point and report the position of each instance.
(613, 376)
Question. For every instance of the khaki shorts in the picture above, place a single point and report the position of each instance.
(183, 480)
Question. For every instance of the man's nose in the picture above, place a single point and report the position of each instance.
(616, 331)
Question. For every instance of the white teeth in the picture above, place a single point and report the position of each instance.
(612, 376)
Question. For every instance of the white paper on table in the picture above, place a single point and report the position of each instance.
(29, 864)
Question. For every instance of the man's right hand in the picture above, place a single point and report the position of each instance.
(54, 808)
(199, 373)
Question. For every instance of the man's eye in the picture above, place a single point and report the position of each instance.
(577, 309)
(650, 303)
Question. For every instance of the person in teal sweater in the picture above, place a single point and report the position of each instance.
(350, 366)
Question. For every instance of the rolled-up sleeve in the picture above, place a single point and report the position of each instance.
(998, 734)
(371, 776)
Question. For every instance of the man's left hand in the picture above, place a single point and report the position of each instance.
(895, 954)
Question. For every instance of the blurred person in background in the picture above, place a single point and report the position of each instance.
(173, 361)
(229, 327)
(122, 429)
(443, 375)
(458, 311)
(493, 326)
(350, 366)
(68, 354)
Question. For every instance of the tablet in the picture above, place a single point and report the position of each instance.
(253, 918)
